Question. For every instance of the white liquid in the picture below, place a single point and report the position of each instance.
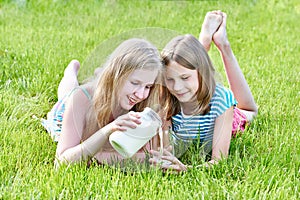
(143, 131)
(129, 142)
(160, 133)
(161, 151)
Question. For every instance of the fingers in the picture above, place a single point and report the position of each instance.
(129, 120)
(166, 152)
(167, 161)
(168, 165)
(177, 168)
(134, 117)
(169, 148)
(155, 153)
(171, 159)
(156, 161)
(135, 114)
(173, 164)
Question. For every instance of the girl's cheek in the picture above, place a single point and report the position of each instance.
(146, 94)
(169, 85)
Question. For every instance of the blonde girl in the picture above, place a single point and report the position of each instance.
(86, 115)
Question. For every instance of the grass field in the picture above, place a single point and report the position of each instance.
(39, 38)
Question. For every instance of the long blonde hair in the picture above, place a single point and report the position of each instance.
(130, 55)
(187, 51)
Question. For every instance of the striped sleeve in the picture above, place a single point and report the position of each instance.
(222, 100)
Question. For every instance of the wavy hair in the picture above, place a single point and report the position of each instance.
(130, 55)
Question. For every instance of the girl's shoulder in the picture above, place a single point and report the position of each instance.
(222, 92)
(223, 96)
(79, 100)
(82, 92)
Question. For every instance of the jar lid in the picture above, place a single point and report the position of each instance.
(154, 116)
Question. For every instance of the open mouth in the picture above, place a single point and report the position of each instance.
(132, 101)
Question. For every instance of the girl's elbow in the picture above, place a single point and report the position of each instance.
(64, 158)
(59, 160)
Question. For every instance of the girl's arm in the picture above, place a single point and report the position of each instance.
(70, 147)
(222, 135)
(167, 161)
(220, 145)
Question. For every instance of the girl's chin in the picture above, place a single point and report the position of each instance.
(185, 100)
(127, 107)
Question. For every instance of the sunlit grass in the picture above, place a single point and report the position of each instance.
(39, 38)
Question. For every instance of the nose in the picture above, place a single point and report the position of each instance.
(140, 93)
(177, 85)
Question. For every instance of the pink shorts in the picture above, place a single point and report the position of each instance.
(239, 121)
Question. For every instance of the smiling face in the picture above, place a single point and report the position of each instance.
(182, 82)
(136, 88)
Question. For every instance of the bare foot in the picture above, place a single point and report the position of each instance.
(220, 37)
(72, 69)
(210, 25)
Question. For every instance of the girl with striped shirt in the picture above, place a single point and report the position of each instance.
(200, 109)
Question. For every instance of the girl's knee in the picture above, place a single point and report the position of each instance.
(250, 115)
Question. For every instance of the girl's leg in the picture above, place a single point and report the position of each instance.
(210, 25)
(235, 77)
(215, 29)
(69, 81)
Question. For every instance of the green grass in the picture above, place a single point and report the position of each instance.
(39, 38)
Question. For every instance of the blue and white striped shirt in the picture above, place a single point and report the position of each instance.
(193, 128)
